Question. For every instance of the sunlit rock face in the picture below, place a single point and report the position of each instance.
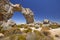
(28, 14)
(7, 25)
(11, 22)
(6, 12)
(1, 35)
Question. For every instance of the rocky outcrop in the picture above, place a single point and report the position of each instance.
(6, 12)
(46, 21)
(7, 25)
(28, 14)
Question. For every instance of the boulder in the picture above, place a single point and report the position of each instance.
(45, 21)
(7, 25)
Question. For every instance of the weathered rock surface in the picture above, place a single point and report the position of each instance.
(28, 14)
(7, 25)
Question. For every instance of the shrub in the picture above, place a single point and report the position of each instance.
(54, 26)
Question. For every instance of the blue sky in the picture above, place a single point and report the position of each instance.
(43, 9)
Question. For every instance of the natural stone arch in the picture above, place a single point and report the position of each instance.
(27, 13)
(7, 10)
(10, 8)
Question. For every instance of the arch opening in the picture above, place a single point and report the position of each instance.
(18, 18)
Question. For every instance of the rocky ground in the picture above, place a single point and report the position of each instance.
(30, 32)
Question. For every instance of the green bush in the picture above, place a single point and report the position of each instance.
(54, 26)
(21, 37)
(17, 37)
(28, 30)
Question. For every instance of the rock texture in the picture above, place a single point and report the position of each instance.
(7, 25)
(28, 14)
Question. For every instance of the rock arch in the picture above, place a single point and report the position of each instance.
(8, 10)
(27, 13)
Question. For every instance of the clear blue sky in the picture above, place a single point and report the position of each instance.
(43, 9)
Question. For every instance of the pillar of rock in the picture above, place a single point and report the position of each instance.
(28, 14)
